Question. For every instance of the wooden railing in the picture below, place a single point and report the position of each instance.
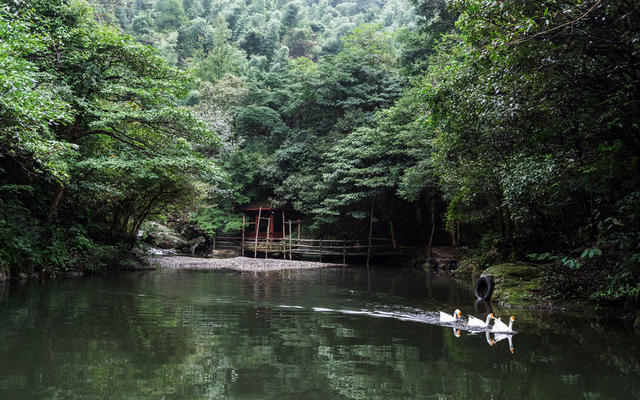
(310, 248)
(227, 242)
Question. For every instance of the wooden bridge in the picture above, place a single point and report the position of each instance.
(288, 248)
(264, 231)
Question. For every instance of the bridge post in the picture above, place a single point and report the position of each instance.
(255, 248)
(244, 219)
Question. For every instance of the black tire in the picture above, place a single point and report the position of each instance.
(484, 288)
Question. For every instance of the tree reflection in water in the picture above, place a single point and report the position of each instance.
(172, 335)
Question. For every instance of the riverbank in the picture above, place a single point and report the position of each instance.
(543, 287)
(243, 264)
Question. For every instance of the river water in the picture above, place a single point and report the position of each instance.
(338, 333)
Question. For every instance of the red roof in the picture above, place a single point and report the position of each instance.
(266, 206)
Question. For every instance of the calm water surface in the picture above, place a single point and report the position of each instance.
(319, 334)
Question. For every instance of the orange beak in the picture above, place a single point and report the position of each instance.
(459, 314)
(458, 333)
(491, 315)
(512, 350)
(492, 342)
(513, 318)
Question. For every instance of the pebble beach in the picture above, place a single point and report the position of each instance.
(243, 264)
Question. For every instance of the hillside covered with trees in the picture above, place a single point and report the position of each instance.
(510, 128)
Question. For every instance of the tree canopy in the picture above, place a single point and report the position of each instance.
(93, 138)
(510, 127)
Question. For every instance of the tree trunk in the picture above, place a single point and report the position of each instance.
(370, 233)
(56, 201)
(510, 226)
(393, 235)
(432, 206)
(503, 229)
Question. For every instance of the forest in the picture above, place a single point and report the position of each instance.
(506, 128)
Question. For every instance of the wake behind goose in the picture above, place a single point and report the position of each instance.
(473, 325)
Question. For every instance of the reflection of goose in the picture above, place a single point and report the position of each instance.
(501, 336)
(477, 322)
(444, 317)
(499, 326)
(487, 335)
(456, 332)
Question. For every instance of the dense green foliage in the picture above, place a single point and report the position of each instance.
(283, 83)
(535, 119)
(93, 141)
(510, 127)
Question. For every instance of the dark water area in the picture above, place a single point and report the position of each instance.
(316, 334)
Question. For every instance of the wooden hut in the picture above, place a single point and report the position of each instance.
(265, 227)
(272, 221)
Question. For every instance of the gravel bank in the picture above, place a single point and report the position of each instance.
(235, 264)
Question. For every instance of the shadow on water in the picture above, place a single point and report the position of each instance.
(317, 334)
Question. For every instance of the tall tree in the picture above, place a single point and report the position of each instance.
(169, 15)
(117, 146)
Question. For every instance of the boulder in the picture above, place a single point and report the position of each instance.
(162, 236)
(515, 284)
(74, 274)
(191, 245)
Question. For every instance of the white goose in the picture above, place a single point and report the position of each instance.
(499, 326)
(477, 322)
(444, 317)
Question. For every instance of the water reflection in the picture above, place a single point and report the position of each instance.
(314, 335)
(482, 307)
(501, 336)
(424, 317)
(497, 337)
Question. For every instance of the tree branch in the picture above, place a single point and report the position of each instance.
(555, 28)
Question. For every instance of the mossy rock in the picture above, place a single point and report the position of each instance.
(469, 270)
(515, 284)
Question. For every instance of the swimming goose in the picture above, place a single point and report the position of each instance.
(499, 326)
(477, 322)
(444, 317)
